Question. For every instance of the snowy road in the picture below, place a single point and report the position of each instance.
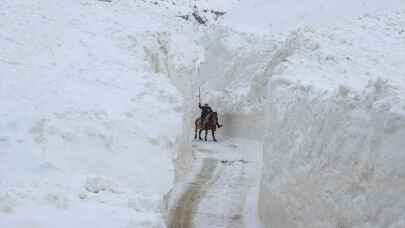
(226, 173)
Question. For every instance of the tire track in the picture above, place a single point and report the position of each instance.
(186, 207)
(217, 195)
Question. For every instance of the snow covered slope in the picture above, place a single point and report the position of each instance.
(270, 16)
(88, 120)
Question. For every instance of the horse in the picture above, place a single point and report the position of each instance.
(209, 123)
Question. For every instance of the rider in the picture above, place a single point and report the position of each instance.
(205, 110)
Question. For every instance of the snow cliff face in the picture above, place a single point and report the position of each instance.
(336, 123)
(332, 161)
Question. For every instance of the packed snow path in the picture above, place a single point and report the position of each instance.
(226, 173)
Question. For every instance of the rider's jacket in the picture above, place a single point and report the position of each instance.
(205, 110)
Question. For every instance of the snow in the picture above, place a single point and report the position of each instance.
(332, 161)
(336, 123)
(333, 102)
(99, 97)
(222, 172)
(88, 125)
(350, 54)
(275, 16)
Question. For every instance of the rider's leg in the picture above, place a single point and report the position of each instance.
(202, 119)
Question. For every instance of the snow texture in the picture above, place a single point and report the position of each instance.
(88, 120)
(336, 122)
(334, 115)
(98, 102)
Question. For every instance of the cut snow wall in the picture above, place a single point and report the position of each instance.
(248, 126)
(333, 160)
(168, 54)
(333, 153)
(162, 52)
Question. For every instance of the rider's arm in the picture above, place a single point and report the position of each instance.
(199, 105)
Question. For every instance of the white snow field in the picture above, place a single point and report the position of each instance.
(98, 100)
(88, 122)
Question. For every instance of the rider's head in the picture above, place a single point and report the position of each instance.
(206, 104)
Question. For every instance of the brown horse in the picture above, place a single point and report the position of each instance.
(209, 123)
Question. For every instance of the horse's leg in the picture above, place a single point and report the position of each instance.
(195, 131)
(206, 133)
(213, 135)
(199, 134)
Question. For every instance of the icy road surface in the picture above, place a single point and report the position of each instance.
(222, 190)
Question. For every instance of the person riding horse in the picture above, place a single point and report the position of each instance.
(205, 110)
(207, 122)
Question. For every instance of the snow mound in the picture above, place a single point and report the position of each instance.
(336, 122)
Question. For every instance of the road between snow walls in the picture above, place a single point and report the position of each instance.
(216, 193)
(217, 184)
(313, 130)
(314, 121)
(206, 172)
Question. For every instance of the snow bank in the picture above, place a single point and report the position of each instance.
(96, 108)
(333, 106)
(336, 123)
(89, 119)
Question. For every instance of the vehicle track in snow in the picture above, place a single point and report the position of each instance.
(190, 199)
(216, 196)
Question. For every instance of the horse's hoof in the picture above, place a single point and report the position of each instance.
(215, 140)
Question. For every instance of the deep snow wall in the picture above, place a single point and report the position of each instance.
(334, 162)
(248, 126)
(173, 55)
(333, 152)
